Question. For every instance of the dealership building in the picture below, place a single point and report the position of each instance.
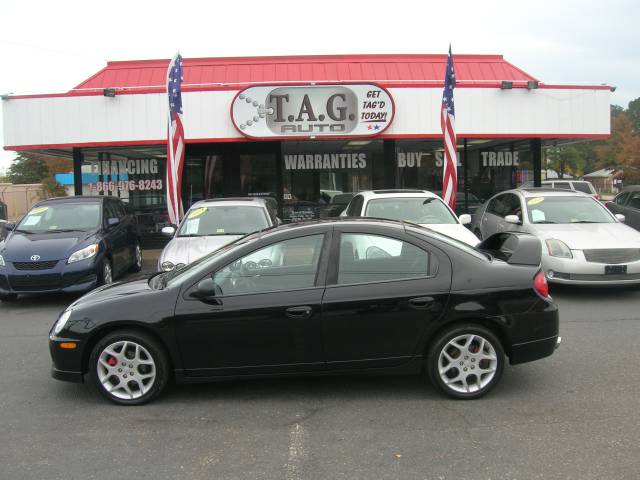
(304, 130)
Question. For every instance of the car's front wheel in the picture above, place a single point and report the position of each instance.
(465, 361)
(129, 367)
(106, 272)
(137, 258)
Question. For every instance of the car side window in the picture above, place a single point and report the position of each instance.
(496, 206)
(287, 265)
(119, 210)
(621, 199)
(373, 258)
(355, 207)
(582, 187)
(562, 185)
(512, 205)
(109, 212)
(634, 201)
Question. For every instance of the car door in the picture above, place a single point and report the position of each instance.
(617, 205)
(265, 317)
(382, 293)
(631, 210)
(492, 216)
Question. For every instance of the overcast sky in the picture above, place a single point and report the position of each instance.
(51, 46)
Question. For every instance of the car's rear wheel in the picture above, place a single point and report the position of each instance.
(9, 297)
(137, 258)
(465, 361)
(106, 272)
(129, 367)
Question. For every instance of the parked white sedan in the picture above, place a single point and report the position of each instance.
(583, 243)
(211, 224)
(417, 206)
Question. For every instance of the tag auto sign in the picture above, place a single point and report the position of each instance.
(312, 111)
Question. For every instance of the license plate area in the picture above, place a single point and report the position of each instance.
(615, 269)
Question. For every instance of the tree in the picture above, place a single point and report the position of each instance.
(27, 168)
(622, 148)
(634, 114)
(570, 159)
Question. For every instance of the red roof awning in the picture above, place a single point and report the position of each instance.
(387, 70)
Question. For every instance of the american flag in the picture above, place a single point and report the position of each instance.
(175, 141)
(447, 121)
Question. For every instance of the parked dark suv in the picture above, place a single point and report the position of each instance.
(69, 244)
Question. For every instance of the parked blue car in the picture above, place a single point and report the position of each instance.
(69, 244)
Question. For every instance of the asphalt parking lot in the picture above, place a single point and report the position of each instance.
(573, 415)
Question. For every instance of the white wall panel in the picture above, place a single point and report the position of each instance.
(127, 118)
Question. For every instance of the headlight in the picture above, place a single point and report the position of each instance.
(83, 254)
(62, 321)
(167, 266)
(557, 248)
(1, 261)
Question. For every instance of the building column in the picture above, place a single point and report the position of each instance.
(536, 151)
(77, 171)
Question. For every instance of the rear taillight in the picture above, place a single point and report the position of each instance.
(540, 284)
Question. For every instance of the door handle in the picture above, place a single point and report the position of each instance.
(421, 303)
(299, 312)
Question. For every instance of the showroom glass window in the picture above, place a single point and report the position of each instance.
(497, 165)
(419, 165)
(321, 177)
(136, 175)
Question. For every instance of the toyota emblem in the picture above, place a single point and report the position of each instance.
(35, 258)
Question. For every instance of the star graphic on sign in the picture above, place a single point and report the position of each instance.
(376, 127)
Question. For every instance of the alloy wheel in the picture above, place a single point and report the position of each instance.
(126, 370)
(138, 257)
(107, 273)
(467, 363)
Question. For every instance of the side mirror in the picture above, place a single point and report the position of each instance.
(513, 219)
(112, 222)
(9, 226)
(465, 219)
(621, 218)
(169, 230)
(206, 288)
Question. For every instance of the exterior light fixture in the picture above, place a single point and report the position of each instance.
(109, 92)
(506, 85)
(612, 88)
(6, 96)
(532, 84)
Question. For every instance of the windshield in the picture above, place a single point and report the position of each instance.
(422, 210)
(567, 210)
(61, 217)
(223, 220)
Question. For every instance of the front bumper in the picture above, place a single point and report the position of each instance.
(67, 363)
(76, 277)
(577, 271)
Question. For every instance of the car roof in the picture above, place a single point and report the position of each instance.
(398, 193)
(631, 188)
(547, 192)
(232, 202)
(78, 199)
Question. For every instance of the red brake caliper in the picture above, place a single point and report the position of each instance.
(112, 361)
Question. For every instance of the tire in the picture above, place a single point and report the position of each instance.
(465, 340)
(142, 355)
(137, 259)
(104, 277)
(477, 233)
(9, 297)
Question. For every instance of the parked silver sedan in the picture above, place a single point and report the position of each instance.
(583, 243)
(211, 224)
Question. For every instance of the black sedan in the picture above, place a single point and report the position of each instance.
(68, 244)
(326, 297)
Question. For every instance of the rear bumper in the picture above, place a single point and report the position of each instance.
(534, 350)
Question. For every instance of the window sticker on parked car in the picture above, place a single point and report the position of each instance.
(219, 230)
(537, 216)
(197, 212)
(535, 201)
(38, 211)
